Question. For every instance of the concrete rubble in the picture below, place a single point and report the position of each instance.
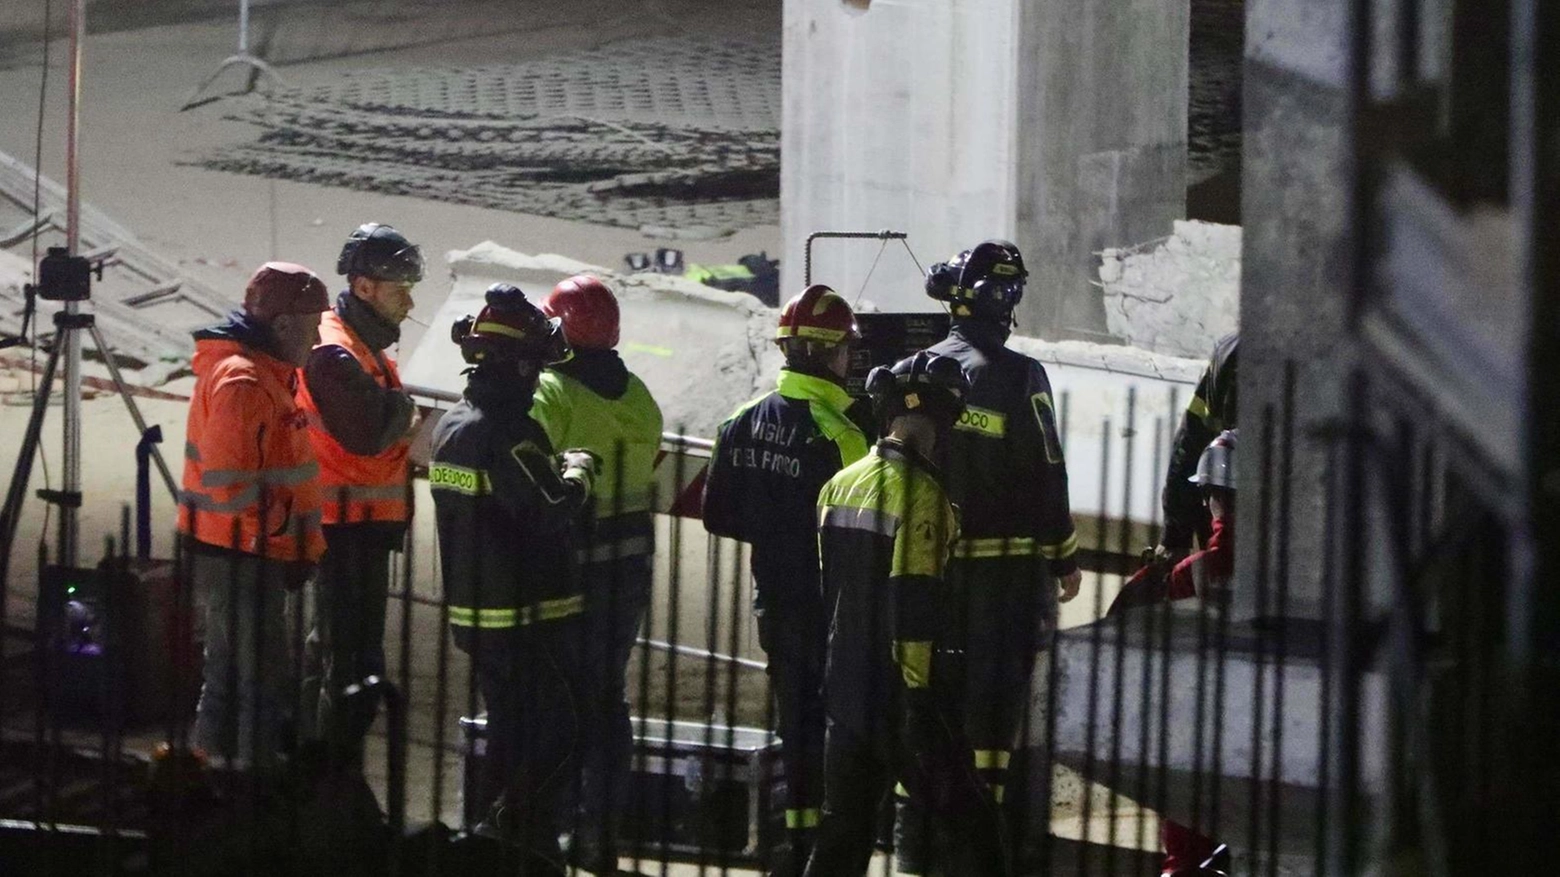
(655, 133)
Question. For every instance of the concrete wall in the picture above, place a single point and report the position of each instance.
(1060, 124)
(1296, 264)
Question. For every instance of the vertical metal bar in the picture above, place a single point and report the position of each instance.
(71, 432)
(243, 27)
(1284, 486)
(1096, 643)
(1351, 663)
(1118, 672)
(711, 638)
(674, 606)
(1259, 653)
(1329, 611)
(759, 766)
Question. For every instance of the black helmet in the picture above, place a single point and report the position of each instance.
(379, 252)
(922, 383)
(509, 328)
(984, 281)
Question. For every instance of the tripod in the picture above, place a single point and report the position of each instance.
(67, 323)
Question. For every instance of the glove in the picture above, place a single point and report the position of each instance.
(581, 465)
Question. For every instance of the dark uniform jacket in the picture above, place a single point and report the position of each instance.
(885, 528)
(503, 513)
(1212, 410)
(1005, 467)
(770, 460)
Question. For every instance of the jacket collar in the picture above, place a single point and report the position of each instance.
(794, 384)
(894, 449)
(373, 329)
(984, 335)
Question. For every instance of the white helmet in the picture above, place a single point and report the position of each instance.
(1216, 466)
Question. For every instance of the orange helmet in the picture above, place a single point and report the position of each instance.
(588, 309)
(818, 315)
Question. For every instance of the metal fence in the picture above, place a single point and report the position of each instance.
(1288, 739)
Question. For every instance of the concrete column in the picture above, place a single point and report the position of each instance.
(1101, 145)
(1060, 124)
(899, 116)
(1296, 268)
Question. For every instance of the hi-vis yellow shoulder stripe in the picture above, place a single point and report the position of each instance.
(983, 421)
(446, 476)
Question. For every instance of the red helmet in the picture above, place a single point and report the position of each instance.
(588, 309)
(818, 315)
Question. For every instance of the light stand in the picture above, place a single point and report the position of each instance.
(66, 277)
(243, 58)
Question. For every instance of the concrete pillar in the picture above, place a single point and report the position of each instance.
(1296, 268)
(1101, 145)
(1051, 122)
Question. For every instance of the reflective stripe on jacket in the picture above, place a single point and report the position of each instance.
(247, 455)
(503, 515)
(625, 433)
(1006, 471)
(355, 487)
(770, 460)
(885, 528)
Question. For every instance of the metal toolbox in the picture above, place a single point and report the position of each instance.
(704, 792)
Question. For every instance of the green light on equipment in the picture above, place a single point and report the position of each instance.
(71, 589)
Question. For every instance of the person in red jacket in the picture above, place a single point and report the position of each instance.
(360, 423)
(1210, 569)
(250, 508)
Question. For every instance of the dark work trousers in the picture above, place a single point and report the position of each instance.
(616, 597)
(1008, 615)
(794, 635)
(246, 696)
(929, 758)
(346, 642)
(527, 678)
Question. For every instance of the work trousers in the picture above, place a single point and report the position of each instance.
(1007, 616)
(794, 635)
(528, 680)
(617, 594)
(247, 690)
(928, 756)
(346, 642)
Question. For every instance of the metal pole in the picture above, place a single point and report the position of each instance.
(72, 338)
(243, 27)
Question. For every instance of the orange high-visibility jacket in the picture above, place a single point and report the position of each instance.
(353, 487)
(247, 454)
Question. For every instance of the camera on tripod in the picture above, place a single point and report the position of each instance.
(63, 277)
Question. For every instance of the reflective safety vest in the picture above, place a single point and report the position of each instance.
(626, 434)
(250, 479)
(355, 488)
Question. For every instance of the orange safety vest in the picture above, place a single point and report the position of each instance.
(355, 488)
(247, 454)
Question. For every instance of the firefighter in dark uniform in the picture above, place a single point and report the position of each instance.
(1015, 559)
(1211, 411)
(892, 681)
(504, 504)
(770, 460)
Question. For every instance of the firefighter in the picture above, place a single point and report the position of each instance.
(250, 508)
(594, 401)
(770, 460)
(360, 422)
(892, 684)
(1211, 568)
(504, 504)
(1207, 571)
(1213, 408)
(1015, 559)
